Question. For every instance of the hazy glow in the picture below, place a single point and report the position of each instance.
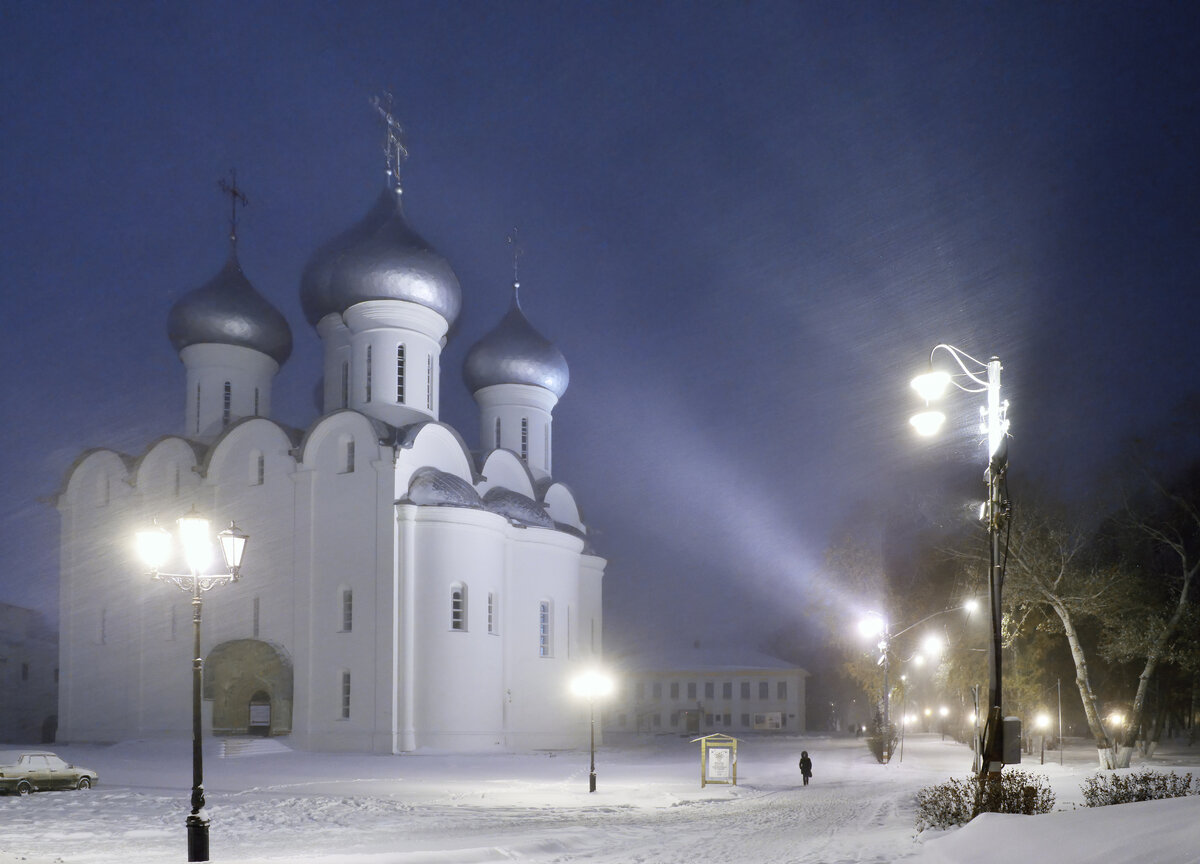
(1116, 718)
(154, 546)
(918, 660)
(944, 711)
(971, 606)
(927, 422)
(592, 684)
(872, 625)
(928, 712)
(933, 645)
(931, 385)
(1042, 721)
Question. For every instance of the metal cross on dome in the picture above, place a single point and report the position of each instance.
(517, 251)
(235, 197)
(394, 148)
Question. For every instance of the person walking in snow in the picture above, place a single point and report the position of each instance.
(805, 766)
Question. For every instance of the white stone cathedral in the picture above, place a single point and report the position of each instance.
(398, 592)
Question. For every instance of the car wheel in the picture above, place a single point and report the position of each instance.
(23, 788)
(84, 783)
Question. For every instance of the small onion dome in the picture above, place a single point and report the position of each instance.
(517, 507)
(228, 311)
(514, 353)
(433, 488)
(380, 258)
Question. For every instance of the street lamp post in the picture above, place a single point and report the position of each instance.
(875, 624)
(155, 547)
(982, 378)
(592, 685)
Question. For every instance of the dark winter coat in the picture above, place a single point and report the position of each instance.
(805, 766)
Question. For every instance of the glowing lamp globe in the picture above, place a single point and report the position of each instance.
(927, 422)
(931, 385)
(154, 547)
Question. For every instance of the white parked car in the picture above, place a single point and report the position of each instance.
(25, 771)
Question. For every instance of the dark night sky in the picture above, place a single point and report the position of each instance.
(746, 224)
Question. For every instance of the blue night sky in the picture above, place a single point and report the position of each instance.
(745, 225)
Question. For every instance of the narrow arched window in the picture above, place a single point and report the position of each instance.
(458, 607)
(197, 409)
(545, 631)
(429, 381)
(345, 385)
(400, 374)
(525, 439)
(368, 373)
(255, 401)
(493, 611)
(345, 695)
(497, 433)
(226, 404)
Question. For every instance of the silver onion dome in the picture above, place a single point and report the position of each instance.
(227, 310)
(514, 353)
(380, 258)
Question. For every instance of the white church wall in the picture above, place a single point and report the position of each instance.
(343, 542)
(457, 692)
(505, 469)
(543, 567)
(432, 445)
(561, 505)
(209, 368)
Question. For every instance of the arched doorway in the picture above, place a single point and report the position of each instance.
(249, 683)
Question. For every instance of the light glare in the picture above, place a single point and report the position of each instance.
(927, 422)
(931, 385)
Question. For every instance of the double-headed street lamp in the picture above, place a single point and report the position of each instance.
(592, 685)
(155, 546)
(874, 625)
(980, 377)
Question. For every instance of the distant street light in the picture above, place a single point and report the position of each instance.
(874, 624)
(982, 378)
(592, 685)
(155, 547)
(1042, 723)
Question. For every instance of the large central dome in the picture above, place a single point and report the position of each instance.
(380, 258)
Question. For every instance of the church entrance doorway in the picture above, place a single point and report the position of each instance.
(249, 683)
(260, 714)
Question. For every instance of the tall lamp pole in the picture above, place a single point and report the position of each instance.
(592, 685)
(981, 377)
(156, 546)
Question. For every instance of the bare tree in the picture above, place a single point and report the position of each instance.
(1050, 573)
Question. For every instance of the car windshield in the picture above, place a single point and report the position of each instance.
(10, 757)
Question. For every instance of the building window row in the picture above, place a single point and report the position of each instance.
(710, 690)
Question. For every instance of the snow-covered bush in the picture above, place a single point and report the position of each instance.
(1100, 790)
(957, 802)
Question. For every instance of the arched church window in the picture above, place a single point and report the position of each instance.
(458, 606)
(197, 408)
(345, 694)
(226, 404)
(497, 433)
(493, 614)
(347, 610)
(400, 374)
(345, 385)
(258, 468)
(429, 382)
(255, 401)
(545, 630)
(347, 455)
(368, 399)
(525, 439)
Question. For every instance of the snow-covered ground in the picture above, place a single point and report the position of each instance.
(649, 807)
